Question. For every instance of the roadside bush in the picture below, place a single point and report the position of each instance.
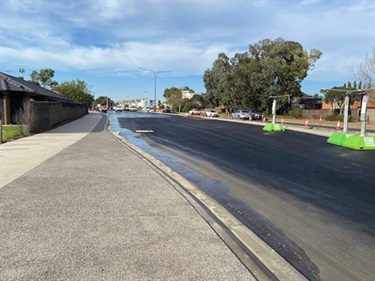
(189, 105)
(296, 113)
(25, 117)
(334, 117)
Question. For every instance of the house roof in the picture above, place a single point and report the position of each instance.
(11, 84)
(311, 101)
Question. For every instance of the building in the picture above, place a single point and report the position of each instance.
(310, 103)
(138, 103)
(187, 94)
(48, 107)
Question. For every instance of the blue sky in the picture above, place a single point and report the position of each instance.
(105, 42)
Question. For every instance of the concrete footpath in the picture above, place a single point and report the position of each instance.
(80, 203)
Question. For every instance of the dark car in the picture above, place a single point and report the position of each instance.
(168, 110)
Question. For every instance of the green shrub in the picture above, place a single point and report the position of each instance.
(296, 113)
(13, 132)
(189, 105)
(334, 117)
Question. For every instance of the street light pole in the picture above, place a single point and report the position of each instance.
(155, 73)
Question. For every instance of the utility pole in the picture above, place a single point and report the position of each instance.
(155, 73)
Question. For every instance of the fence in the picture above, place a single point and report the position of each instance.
(354, 114)
(47, 115)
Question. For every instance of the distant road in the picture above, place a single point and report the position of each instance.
(312, 202)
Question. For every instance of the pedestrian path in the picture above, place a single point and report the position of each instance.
(20, 156)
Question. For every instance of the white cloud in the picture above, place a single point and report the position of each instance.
(181, 56)
(183, 36)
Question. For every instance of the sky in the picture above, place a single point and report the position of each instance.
(107, 42)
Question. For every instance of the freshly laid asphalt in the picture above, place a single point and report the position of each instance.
(80, 203)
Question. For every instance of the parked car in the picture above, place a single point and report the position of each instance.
(168, 110)
(255, 115)
(194, 112)
(117, 108)
(212, 113)
(240, 114)
(132, 108)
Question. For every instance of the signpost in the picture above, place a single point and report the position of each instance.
(338, 138)
(273, 126)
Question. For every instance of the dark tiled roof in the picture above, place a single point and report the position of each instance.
(310, 101)
(11, 84)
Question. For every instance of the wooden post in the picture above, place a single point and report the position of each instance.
(1, 131)
(6, 109)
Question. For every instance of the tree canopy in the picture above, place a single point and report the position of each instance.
(248, 79)
(365, 73)
(44, 78)
(104, 100)
(77, 91)
(337, 95)
(174, 96)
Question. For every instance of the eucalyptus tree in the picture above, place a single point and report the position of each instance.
(215, 80)
(248, 79)
(283, 62)
(174, 97)
(199, 99)
(43, 78)
(103, 100)
(76, 90)
(336, 98)
(240, 94)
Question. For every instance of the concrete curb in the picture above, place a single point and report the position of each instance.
(268, 259)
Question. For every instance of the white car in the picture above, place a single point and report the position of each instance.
(212, 113)
(194, 112)
(240, 114)
(118, 108)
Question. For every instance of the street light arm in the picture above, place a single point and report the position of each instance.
(155, 73)
(148, 70)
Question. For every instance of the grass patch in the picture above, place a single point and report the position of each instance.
(13, 132)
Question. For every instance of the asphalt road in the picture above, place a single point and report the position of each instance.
(312, 202)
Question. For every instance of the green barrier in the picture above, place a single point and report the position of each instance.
(359, 142)
(274, 128)
(354, 141)
(338, 138)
